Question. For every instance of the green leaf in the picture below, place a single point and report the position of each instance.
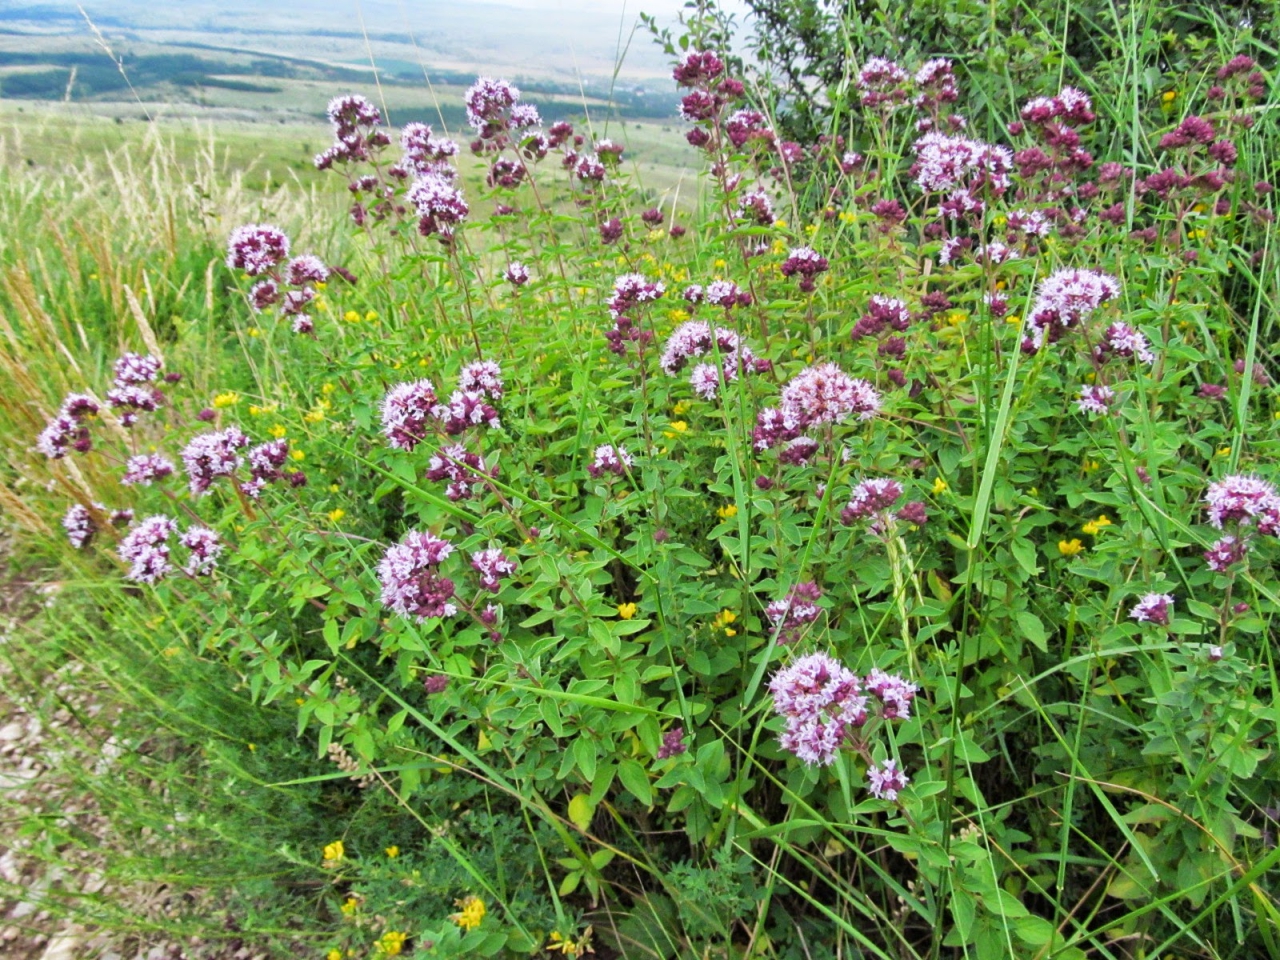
(636, 779)
(581, 810)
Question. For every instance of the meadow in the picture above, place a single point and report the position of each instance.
(569, 534)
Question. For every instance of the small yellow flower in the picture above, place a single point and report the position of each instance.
(1090, 465)
(722, 621)
(298, 455)
(1069, 548)
(322, 286)
(720, 263)
(327, 389)
(370, 316)
(1224, 451)
(939, 486)
(336, 515)
(1093, 526)
(656, 234)
(1169, 96)
(278, 431)
(334, 487)
(253, 748)
(334, 954)
(679, 426)
(351, 316)
(681, 408)
(1013, 318)
(171, 651)
(727, 512)
(228, 399)
(780, 224)
(627, 610)
(471, 914)
(847, 217)
(350, 906)
(314, 415)
(391, 943)
(570, 947)
(254, 332)
(392, 851)
(334, 852)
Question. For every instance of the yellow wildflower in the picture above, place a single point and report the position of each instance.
(681, 408)
(392, 851)
(228, 399)
(334, 852)
(350, 906)
(1169, 96)
(727, 512)
(298, 455)
(351, 316)
(254, 332)
(314, 415)
(334, 487)
(720, 263)
(1013, 318)
(570, 947)
(1069, 548)
(322, 304)
(1090, 465)
(679, 426)
(391, 943)
(336, 515)
(327, 389)
(1224, 451)
(471, 914)
(722, 621)
(655, 235)
(334, 954)
(780, 224)
(370, 316)
(627, 610)
(1093, 526)
(278, 431)
(939, 486)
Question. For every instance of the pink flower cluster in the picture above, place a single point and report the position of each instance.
(632, 290)
(146, 468)
(806, 263)
(411, 582)
(694, 339)
(1095, 398)
(1153, 608)
(1065, 299)
(1122, 340)
(1248, 504)
(882, 84)
(824, 703)
(465, 471)
(795, 611)
(263, 251)
(355, 135)
(146, 549)
(875, 500)
(409, 409)
(494, 109)
(212, 455)
(882, 313)
(823, 393)
(439, 204)
(424, 153)
(131, 392)
(67, 430)
(492, 565)
(610, 459)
